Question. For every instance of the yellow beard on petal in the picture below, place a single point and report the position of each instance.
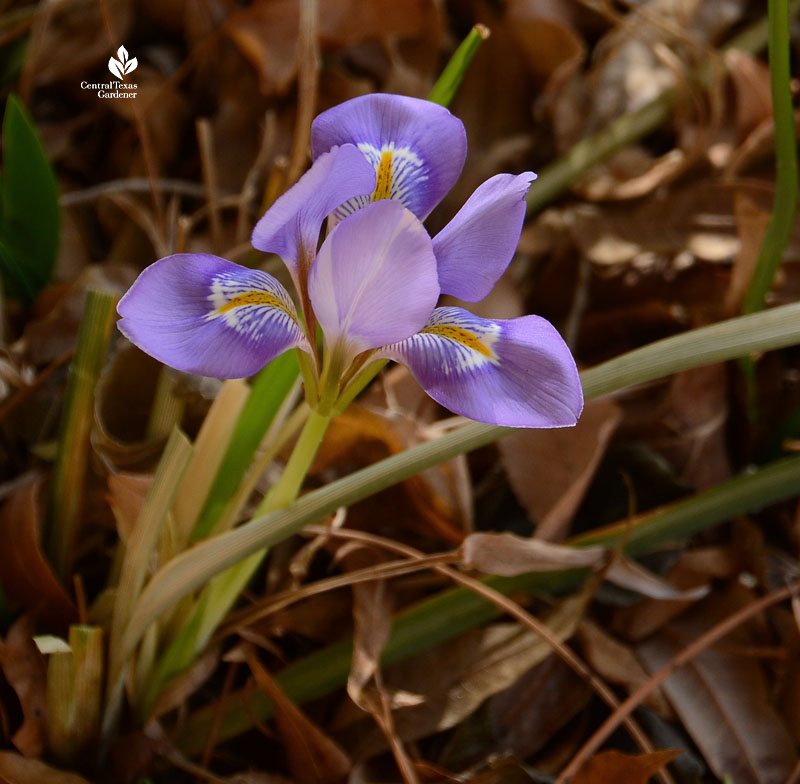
(383, 181)
(236, 306)
(466, 338)
(253, 298)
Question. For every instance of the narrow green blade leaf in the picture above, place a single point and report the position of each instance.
(448, 83)
(29, 230)
(784, 209)
(270, 389)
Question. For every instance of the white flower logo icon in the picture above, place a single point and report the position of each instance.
(124, 65)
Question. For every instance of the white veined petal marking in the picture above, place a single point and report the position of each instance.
(467, 347)
(398, 171)
(250, 306)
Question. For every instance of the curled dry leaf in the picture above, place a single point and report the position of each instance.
(509, 555)
(629, 574)
(24, 669)
(571, 455)
(722, 696)
(126, 494)
(122, 404)
(553, 50)
(372, 616)
(613, 767)
(15, 769)
(257, 778)
(25, 573)
(75, 40)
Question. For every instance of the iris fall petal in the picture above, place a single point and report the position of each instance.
(517, 372)
(205, 315)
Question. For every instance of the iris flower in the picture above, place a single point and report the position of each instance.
(381, 164)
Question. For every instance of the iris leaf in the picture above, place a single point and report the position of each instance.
(29, 211)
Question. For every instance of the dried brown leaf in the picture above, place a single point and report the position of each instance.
(613, 767)
(537, 706)
(15, 769)
(509, 555)
(571, 456)
(722, 697)
(629, 574)
(693, 569)
(312, 756)
(257, 778)
(126, 494)
(456, 677)
(617, 663)
(75, 40)
(266, 32)
(430, 503)
(552, 49)
(750, 78)
(24, 571)
(123, 400)
(25, 670)
(372, 616)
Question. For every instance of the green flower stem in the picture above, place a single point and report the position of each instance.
(784, 210)
(455, 611)
(730, 339)
(449, 81)
(333, 368)
(309, 375)
(359, 383)
(286, 490)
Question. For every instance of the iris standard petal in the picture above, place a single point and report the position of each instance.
(374, 280)
(416, 147)
(205, 315)
(475, 248)
(516, 372)
(290, 227)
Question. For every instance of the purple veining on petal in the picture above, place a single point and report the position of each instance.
(517, 372)
(416, 147)
(203, 314)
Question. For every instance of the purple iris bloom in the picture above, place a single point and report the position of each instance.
(381, 163)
